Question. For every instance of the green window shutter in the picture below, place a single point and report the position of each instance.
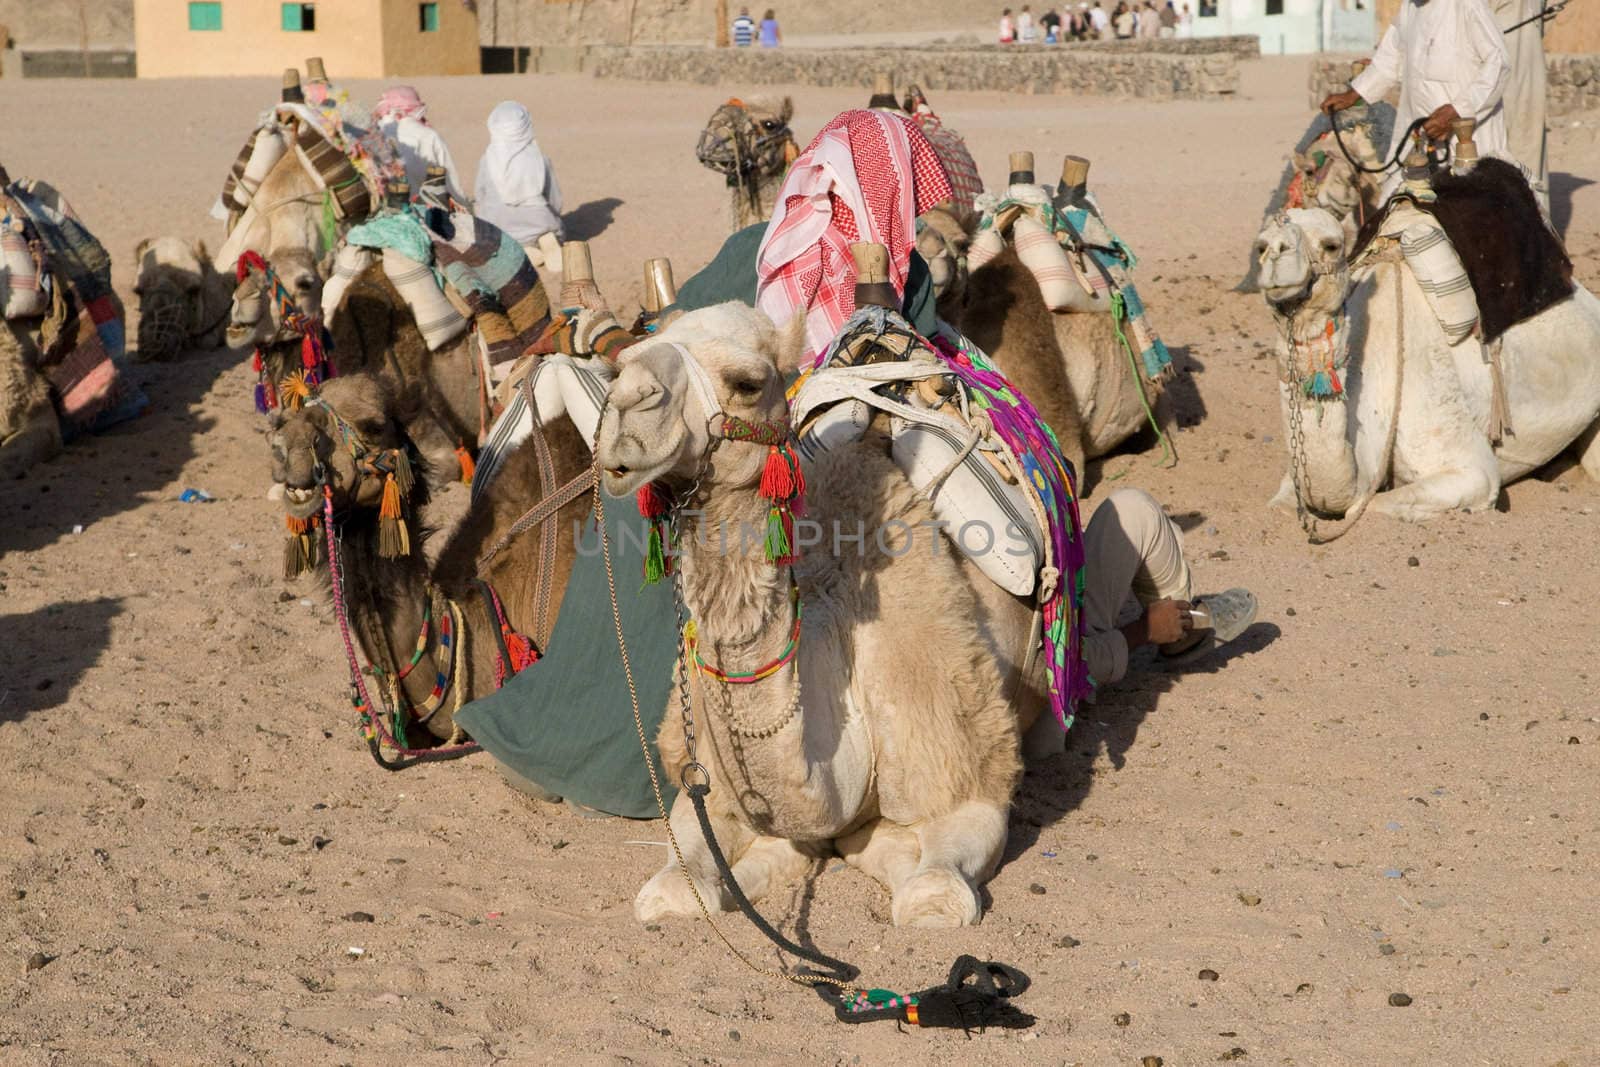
(429, 17)
(291, 18)
(205, 16)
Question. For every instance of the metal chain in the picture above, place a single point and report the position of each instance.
(1299, 470)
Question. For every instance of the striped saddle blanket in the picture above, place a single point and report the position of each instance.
(1078, 262)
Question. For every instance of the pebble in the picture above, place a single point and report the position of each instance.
(1304, 987)
(1289, 612)
(319, 843)
(285, 596)
(559, 845)
(136, 803)
(285, 839)
(1067, 940)
(1234, 1053)
(1483, 716)
(733, 1035)
(1221, 554)
(1386, 949)
(359, 917)
(39, 961)
(19, 894)
(1249, 900)
(1413, 561)
(1399, 1000)
(1573, 741)
(1208, 975)
(1036, 889)
(1151, 1061)
(1122, 1018)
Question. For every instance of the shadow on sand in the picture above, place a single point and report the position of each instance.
(588, 221)
(44, 653)
(103, 475)
(1562, 186)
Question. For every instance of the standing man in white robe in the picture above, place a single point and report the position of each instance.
(1449, 60)
(1524, 102)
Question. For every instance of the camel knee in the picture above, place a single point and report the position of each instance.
(669, 893)
(769, 862)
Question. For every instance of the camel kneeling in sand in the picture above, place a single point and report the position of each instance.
(888, 737)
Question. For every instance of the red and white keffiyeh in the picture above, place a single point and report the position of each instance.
(398, 102)
(865, 177)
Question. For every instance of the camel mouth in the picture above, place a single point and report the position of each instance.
(238, 334)
(1287, 297)
(301, 503)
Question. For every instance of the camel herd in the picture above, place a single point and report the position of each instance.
(898, 736)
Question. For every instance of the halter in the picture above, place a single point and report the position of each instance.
(292, 322)
(783, 483)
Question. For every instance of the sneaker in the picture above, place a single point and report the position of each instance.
(1231, 613)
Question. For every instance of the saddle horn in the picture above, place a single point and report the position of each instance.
(660, 291)
(883, 92)
(1466, 155)
(292, 93)
(1074, 180)
(872, 276)
(576, 262)
(315, 71)
(1021, 169)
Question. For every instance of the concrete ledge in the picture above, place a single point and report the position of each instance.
(1069, 70)
(1572, 82)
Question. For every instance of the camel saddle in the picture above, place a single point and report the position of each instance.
(1515, 263)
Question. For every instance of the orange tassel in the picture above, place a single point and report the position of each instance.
(468, 467)
(297, 526)
(391, 499)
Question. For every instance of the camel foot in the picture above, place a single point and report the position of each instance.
(668, 894)
(936, 898)
(1283, 499)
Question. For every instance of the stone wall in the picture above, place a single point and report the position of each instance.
(1147, 74)
(1573, 81)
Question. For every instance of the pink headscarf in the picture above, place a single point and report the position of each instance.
(866, 177)
(399, 101)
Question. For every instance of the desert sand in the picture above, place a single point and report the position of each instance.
(1386, 787)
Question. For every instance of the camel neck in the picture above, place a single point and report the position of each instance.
(740, 601)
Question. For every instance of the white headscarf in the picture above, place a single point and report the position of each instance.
(515, 164)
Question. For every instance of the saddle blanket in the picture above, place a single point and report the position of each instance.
(561, 385)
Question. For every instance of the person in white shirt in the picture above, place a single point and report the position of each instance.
(1026, 31)
(1449, 60)
(404, 119)
(517, 188)
(1100, 21)
(1524, 102)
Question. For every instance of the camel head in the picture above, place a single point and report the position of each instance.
(324, 443)
(664, 417)
(1303, 267)
(256, 318)
(181, 296)
(747, 139)
(944, 234)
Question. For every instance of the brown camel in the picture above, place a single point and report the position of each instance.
(1070, 364)
(749, 143)
(436, 397)
(387, 597)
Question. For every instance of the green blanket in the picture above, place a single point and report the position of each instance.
(566, 722)
(732, 276)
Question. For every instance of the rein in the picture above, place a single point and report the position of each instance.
(292, 322)
(1360, 168)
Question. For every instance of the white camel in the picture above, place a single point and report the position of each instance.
(1431, 443)
(891, 739)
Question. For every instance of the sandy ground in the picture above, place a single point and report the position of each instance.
(1388, 788)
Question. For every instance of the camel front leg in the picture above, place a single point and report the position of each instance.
(668, 893)
(1588, 449)
(1284, 498)
(932, 869)
(1456, 489)
(770, 862)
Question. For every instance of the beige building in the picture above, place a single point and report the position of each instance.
(356, 38)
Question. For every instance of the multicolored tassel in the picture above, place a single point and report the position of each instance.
(784, 485)
(295, 390)
(469, 469)
(301, 550)
(654, 504)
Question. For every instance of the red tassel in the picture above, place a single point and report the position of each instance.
(777, 477)
(797, 501)
(1333, 378)
(652, 500)
(785, 517)
(521, 651)
(255, 361)
(309, 356)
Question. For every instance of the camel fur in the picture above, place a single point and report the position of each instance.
(1443, 458)
(753, 175)
(386, 596)
(30, 433)
(891, 740)
(183, 299)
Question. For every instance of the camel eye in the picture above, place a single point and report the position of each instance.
(749, 388)
(770, 124)
(1331, 245)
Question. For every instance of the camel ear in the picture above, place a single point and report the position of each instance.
(274, 421)
(201, 254)
(141, 248)
(786, 112)
(791, 344)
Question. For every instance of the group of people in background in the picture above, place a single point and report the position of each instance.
(746, 31)
(1089, 21)
(516, 187)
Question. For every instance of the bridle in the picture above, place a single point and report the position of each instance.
(737, 148)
